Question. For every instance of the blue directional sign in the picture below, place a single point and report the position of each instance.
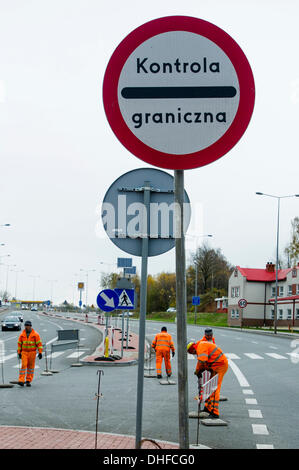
(196, 300)
(107, 300)
(80, 303)
(131, 270)
(48, 302)
(124, 262)
(126, 299)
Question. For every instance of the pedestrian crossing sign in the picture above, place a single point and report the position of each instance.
(126, 299)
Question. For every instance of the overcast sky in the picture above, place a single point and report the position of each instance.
(59, 155)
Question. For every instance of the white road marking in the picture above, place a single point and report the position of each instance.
(76, 354)
(254, 342)
(247, 391)
(8, 339)
(276, 356)
(232, 356)
(264, 446)
(57, 353)
(273, 347)
(52, 340)
(16, 367)
(253, 356)
(293, 354)
(10, 356)
(255, 414)
(241, 378)
(251, 401)
(260, 429)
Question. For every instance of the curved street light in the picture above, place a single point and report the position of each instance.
(277, 244)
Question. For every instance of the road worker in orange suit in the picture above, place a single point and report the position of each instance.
(29, 342)
(208, 336)
(162, 344)
(210, 357)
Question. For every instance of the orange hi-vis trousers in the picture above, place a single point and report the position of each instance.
(160, 355)
(212, 403)
(27, 368)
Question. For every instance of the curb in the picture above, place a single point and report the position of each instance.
(129, 362)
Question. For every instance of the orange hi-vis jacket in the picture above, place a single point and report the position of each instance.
(205, 339)
(209, 356)
(163, 342)
(31, 343)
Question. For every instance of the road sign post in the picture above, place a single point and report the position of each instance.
(181, 307)
(178, 93)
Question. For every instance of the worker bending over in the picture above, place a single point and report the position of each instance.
(210, 357)
(162, 344)
(29, 341)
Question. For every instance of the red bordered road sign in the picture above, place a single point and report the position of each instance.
(242, 303)
(178, 92)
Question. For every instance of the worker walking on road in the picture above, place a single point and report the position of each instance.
(29, 341)
(162, 344)
(208, 336)
(210, 357)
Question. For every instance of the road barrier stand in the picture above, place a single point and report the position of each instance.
(98, 396)
(148, 360)
(46, 371)
(2, 353)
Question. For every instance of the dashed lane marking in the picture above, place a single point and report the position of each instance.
(260, 429)
(250, 401)
(255, 414)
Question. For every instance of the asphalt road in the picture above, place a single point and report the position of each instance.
(261, 387)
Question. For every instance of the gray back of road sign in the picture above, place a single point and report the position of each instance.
(123, 212)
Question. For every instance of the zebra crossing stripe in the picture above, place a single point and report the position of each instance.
(76, 354)
(253, 356)
(232, 356)
(260, 429)
(276, 356)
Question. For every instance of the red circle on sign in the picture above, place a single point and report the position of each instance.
(242, 303)
(246, 102)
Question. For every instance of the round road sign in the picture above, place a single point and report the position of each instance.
(242, 303)
(178, 92)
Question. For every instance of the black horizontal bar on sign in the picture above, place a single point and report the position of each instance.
(139, 93)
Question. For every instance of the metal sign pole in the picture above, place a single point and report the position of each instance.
(122, 333)
(127, 340)
(142, 318)
(181, 308)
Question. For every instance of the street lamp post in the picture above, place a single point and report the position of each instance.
(87, 271)
(52, 282)
(16, 286)
(34, 279)
(277, 245)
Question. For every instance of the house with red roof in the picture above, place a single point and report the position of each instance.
(257, 287)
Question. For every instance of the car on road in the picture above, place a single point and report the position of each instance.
(17, 314)
(171, 310)
(11, 322)
(34, 309)
(25, 307)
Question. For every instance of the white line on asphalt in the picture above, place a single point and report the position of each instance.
(264, 446)
(276, 356)
(57, 353)
(254, 342)
(253, 356)
(232, 356)
(251, 401)
(10, 356)
(273, 347)
(260, 429)
(293, 354)
(52, 340)
(241, 378)
(8, 339)
(247, 391)
(16, 367)
(255, 414)
(76, 354)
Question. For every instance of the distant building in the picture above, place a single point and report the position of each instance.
(221, 304)
(257, 286)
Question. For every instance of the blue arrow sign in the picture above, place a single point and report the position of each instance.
(126, 299)
(196, 300)
(107, 300)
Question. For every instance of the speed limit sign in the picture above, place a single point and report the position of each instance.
(242, 303)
